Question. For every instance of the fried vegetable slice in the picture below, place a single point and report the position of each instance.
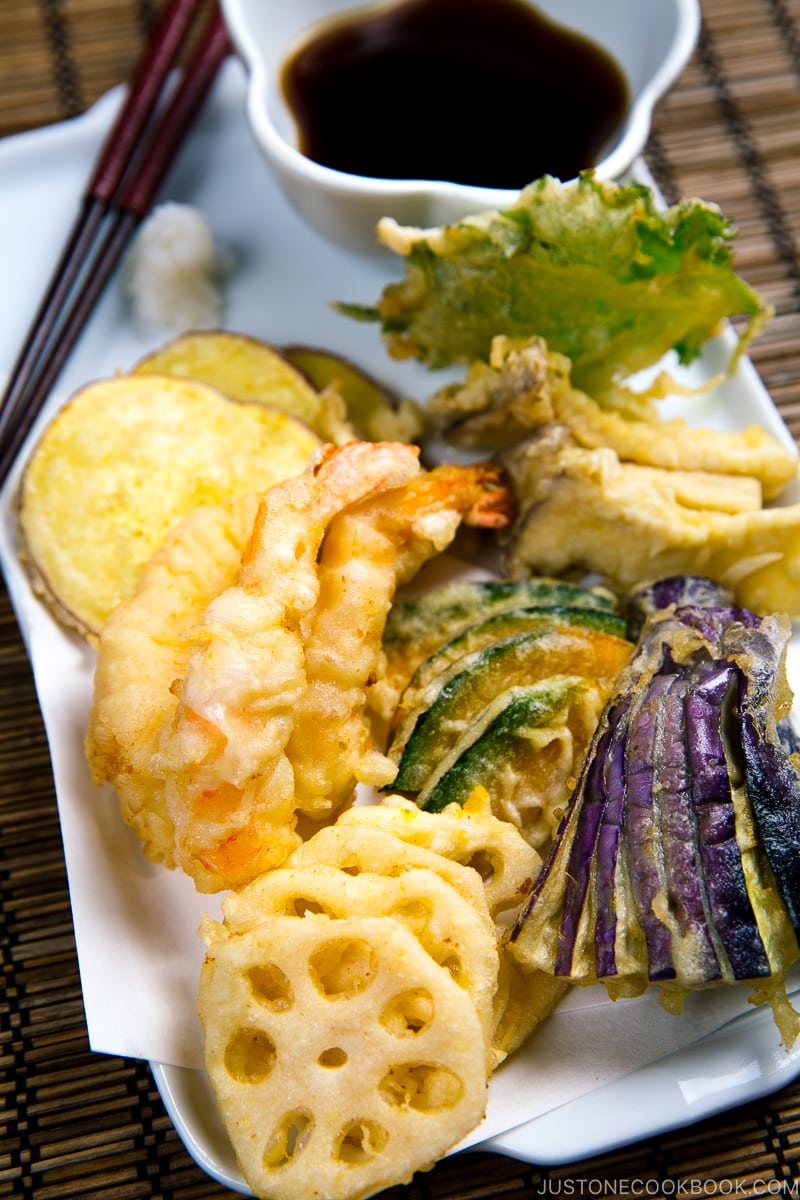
(484, 858)
(675, 863)
(526, 386)
(330, 1049)
(246, 368)
(524, 748)
(637, 522)
(672, 591)
(356, 849)
(418, 625)
(513, 621)
(595, 268)
(468, 834)
(454, 932)
(374, 412)
(122, 463)
(430, 722)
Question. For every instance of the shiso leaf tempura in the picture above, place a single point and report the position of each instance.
(595, 268)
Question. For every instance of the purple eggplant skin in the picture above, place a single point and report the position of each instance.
(714, 624)
(610, 842)
(712, 687)
(538, 926)
(646, 866)
(673, 591)
(560, 871)
(773, 789)
(653, 810)
(772, 778)
(686, 891)
(546, 903)
(593, 799)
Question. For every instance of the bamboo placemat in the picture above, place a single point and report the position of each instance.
(76, 1124)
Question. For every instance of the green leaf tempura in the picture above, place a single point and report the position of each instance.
(594, 268)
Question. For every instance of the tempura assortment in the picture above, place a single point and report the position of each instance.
(581, 764)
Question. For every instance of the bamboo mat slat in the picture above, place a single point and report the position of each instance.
(74, 1124)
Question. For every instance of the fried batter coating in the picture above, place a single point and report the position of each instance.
(369, 551)
(214, 767)
(229, 782)
(225, 688)
(526, 386)
(143, 649)
(638, 522)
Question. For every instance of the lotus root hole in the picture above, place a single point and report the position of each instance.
(414, 913)
(334, 1056)
(250, 1055)
(343, 967)
(289, 1138)
(452, 963)
(271, 987)
(360, 1141)
(485, 864)
(301, 906)
(408, 1013)
(423, 1087)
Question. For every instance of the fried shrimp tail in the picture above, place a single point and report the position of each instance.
(479, 491)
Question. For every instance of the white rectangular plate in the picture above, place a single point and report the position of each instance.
(604, 1074)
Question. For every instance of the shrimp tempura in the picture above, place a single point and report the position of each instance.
(369, 551)
(229, 783)
(249, 681)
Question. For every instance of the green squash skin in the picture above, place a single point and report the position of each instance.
(475, 679)
(440, 614)
(503, 742)
(508, 623)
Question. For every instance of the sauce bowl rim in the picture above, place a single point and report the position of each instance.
(310, 185)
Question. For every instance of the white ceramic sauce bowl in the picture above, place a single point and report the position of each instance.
(651, 41)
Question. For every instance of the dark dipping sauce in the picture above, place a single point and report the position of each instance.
(483, 92)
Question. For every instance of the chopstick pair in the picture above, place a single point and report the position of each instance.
(120, 192)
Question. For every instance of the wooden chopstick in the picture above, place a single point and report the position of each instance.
(120, 193)
(112, 162)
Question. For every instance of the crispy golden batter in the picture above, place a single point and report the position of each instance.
(454, 931)
(585, 511)
(143, 650)
(343, 1058)
(471, 835)
(218, 765)
(507, 865)
(370, 550)
(122, 463)
(525, 386)
(269, 658)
